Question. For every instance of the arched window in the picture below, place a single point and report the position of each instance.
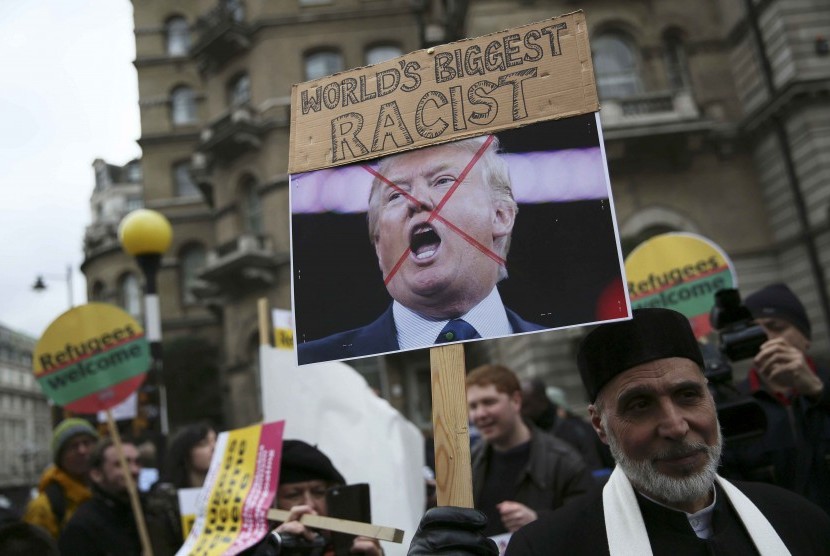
(239, 89)
(191, 261)
(322, 63)
(674, 54)
(133, 171)
(616, 66)
(97, 292)
(630, 243)
(251, 206)
(177, 33)
(129, 295)
(381, 53)
(182, 105)
(183, 181)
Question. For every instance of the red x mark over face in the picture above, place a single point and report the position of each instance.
(435, 206)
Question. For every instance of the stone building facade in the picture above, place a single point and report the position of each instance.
(715, 119)
(25, 426)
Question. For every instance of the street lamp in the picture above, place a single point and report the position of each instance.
(40, 284)
(146, 235)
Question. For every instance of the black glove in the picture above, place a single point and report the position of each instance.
(452, 531)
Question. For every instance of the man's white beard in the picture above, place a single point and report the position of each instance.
(645, 476)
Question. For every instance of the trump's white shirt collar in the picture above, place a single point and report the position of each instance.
(489, 318)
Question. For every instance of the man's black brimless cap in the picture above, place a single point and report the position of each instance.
(651, 334)
(302, 462)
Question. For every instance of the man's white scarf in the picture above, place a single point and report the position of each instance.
(627, 532)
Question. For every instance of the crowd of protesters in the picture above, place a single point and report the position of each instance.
(537, 467)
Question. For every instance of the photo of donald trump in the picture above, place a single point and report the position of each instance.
(440, 223)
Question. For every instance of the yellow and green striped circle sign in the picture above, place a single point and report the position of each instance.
(679, 271)
(91, 358)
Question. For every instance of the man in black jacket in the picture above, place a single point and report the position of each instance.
(519, 472)
(105, 526)
(651, 405)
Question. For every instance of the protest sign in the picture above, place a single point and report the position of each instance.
(419, 183)
(91, 358)
(679, 271)
(283, 329)
(509, 116)
(238, 490)
(559, 251)
(188, 502)
(515, 77)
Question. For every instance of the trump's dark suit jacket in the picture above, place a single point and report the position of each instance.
(379, 336)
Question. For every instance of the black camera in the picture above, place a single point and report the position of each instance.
(740, 416)
(294, 545)
(739, 336)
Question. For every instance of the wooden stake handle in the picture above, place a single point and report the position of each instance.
(264, 320)
(146, 547)
(342, 526)
(453, 473)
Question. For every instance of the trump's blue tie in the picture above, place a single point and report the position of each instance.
(457, 330)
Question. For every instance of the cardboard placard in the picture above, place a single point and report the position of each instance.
(512, 78)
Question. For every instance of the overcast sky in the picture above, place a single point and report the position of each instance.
(68, 95)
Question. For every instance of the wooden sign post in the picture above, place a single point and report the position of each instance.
(135, 504)
(454, 482)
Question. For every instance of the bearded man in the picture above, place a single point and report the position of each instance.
(651, 404)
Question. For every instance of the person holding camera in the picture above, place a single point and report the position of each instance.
(306, 474)
(792, 389)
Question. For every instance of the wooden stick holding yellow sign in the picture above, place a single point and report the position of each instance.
(141, 525)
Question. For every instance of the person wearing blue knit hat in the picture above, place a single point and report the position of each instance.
(792, 389)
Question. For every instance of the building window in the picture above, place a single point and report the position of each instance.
(674, 52)
(102, 177)
(185, 187)
(251, 206)
(182, 106)
(630, 243)
(177, 32)
(129, 295)
(235, 9)
(381, 53)
(192, 261)
(615, 63)
(322, 63)
(133, 203)
(133, 172)
(239, 90)
(97, 292)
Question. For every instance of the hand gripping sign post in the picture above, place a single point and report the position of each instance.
(90, 359)
(417, 183)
